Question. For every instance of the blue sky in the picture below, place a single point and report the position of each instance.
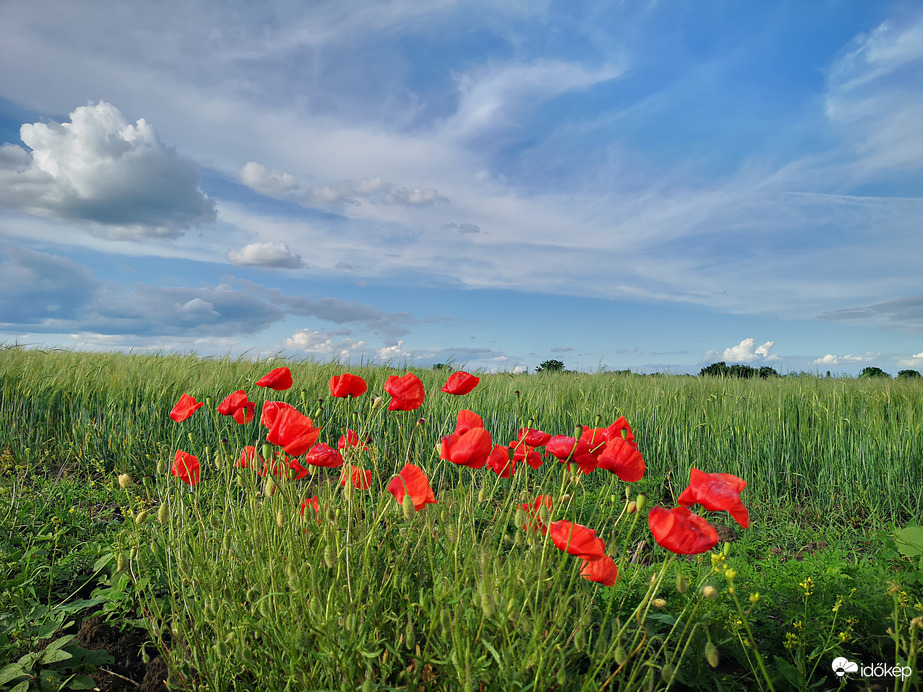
(626, 185)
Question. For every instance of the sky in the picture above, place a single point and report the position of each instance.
(635, 185)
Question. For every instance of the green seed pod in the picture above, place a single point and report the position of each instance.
(482, 493)
(487, 602)
(330, 555)
(620, 655)
(667, 672)
(407, 507)
(580, 639)
(269, 487)
(711, 654)
(161, 467)
(121, 562)
(641, 502)
(142, 516)
(409, 634)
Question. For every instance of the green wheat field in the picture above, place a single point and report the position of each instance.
(233, 584)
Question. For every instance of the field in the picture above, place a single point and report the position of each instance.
(236, 582)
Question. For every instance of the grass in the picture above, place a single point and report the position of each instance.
(237, 590)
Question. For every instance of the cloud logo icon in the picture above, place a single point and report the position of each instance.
(841, 666)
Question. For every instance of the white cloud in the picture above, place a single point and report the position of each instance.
(832, 359)
(745, 352)
(272, 255)
(271, 183)
(914, 361)
(874, 98)
(100, 169)
(326, 344)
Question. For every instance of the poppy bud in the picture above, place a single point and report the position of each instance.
(269, 487)
(142, 516)
(565, 498)
(681, 584)
(562, 676)
(487, 603)
(407, 507)
(330, 556)
(121, 562)
(124, 480)
(711, 654)
(161, 467)
(632, 507)
(482, 493)
(544, 514)
(659, 603)
(709, 592)
(377, 402)
(222, 649)
(641, 502)
(215, 521)
(726, 549)
(163, 513)
(227, 542)
(667, 672)
(280, 519)
(620, 655)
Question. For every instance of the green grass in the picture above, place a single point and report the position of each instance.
(236, 588)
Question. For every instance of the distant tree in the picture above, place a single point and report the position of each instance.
(440, 366)
(719, 369)
(909, 375)
(550, 366)
(766, 372)
(873, 372)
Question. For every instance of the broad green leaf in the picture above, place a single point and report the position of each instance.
(910, 541)
(55, 656)
(791, 673)
(11, 672)
(21, 687)
(82, 682)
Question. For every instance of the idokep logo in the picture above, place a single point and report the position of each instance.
(841, 666)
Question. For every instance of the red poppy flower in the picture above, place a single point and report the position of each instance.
(460, 382)
(614, 430)
(466, 420)
(572, 451)
(412, 481)
(248, 458)
(184, 408)
(526, 453)
(278, 379)
(271, 410)
(350, 439)
(680, 531)
(346, 385)
(532, 511)
(533, 438)
(311, 502)
(576, 539)
(236, 405)
(362, 480)
(602, 569)
(323, 455)
(186, 467)
(469, 449)
(406, 392)
(300, 471)
(500, 463)
(716, 492)
(622, 458)
(293, 431)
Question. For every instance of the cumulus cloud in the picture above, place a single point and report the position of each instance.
(745, 352)
(269, 255)
(100, 169)
(914, 361)
(321, 343)
(832, 359)
(280, 185)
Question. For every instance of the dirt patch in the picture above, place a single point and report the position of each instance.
(128, 671)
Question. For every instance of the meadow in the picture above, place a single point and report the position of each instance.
(257, 572)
